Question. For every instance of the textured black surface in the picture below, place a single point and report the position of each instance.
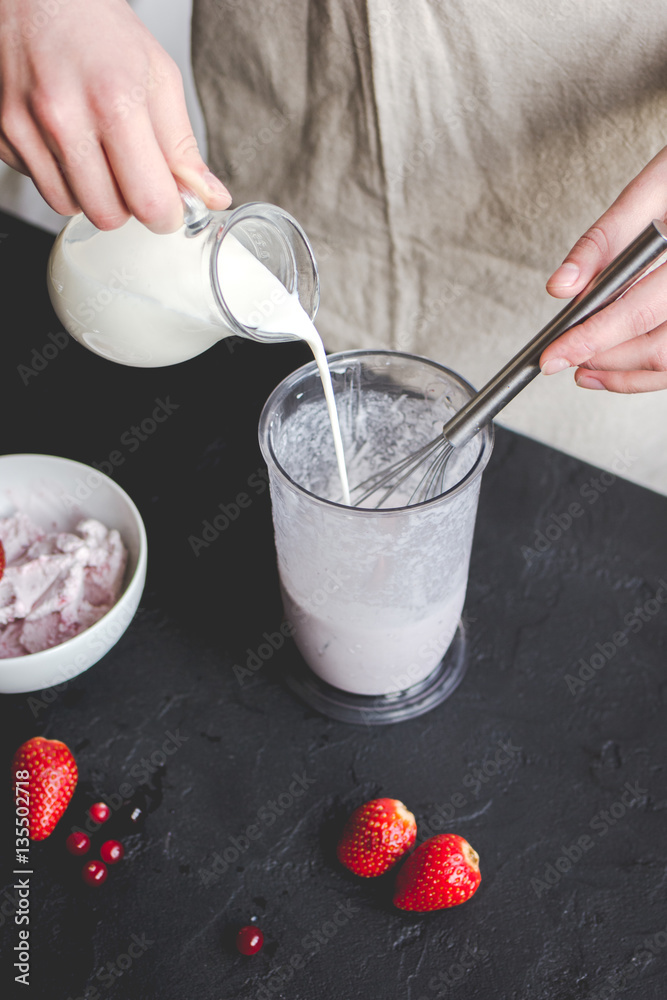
(600, 930)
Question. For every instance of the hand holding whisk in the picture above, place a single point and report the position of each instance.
(607, 286)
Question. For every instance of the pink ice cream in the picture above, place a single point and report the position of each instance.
(55, 584)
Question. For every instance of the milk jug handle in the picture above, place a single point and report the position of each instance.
(196, 215)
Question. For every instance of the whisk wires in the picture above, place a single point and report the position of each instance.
(382, 485)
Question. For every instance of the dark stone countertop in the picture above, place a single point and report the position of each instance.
(535, 761)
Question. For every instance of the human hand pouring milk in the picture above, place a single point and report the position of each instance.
(374, 592)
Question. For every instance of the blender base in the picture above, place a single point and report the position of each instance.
(381, 710)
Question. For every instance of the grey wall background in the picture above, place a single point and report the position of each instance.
(170, 23)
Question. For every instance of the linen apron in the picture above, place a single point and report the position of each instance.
(443, 156)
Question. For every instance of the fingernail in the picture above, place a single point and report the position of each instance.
(215, 185)
(554, 365)
(588, 382)
(566, 274)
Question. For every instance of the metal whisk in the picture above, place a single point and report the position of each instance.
(610, 284)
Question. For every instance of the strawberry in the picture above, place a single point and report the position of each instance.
(2, 559)
(45, 774)
(375, 836)
(443, 871)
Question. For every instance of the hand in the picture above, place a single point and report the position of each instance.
(92, 108)
(623, 348)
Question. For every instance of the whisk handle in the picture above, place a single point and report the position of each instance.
(608, 285)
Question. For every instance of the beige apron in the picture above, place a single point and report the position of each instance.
(443, 155)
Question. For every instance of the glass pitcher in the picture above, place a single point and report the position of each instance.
(150, 300)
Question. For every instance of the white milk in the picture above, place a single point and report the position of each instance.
(132, 296)
(256, 298)
(165, 313)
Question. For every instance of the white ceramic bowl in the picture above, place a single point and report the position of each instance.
(56, 493)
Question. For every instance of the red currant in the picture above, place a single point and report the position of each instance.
(94, 872)
(249, 940)
(100, 812)
(77, 843)
(112, 851)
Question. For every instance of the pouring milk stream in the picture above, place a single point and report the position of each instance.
(249, 286)
(150, 300)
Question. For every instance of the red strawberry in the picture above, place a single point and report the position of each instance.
(2, 560)
(443, 871)
(375, 836)
(44, 773)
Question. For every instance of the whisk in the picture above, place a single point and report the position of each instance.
(616, 278)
